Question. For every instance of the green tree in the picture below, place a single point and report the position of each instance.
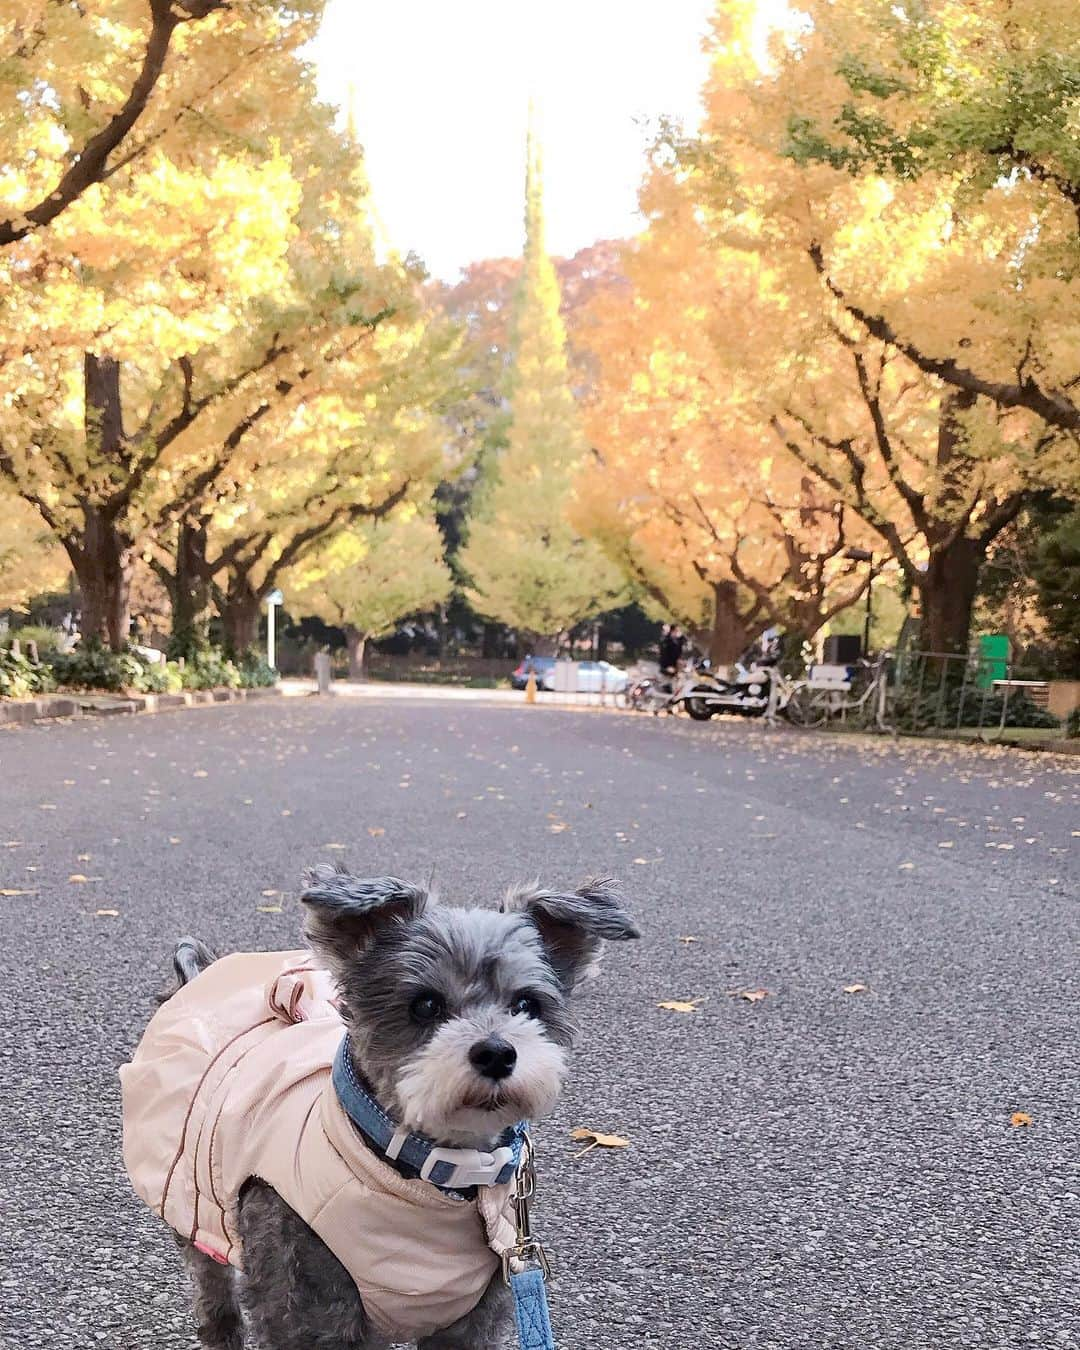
(370, 577)
(1057, 577)
(527, 565)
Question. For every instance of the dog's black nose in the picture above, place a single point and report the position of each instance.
(493, 1057)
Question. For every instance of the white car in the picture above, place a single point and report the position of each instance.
(592, 677)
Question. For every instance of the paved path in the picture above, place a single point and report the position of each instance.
(814, 1169)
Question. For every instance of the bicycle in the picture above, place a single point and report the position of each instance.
(815, 700)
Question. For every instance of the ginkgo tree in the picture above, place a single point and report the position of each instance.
(365, 579)
(88, 89)
(719, 526)
(969, 114)
(344, 466)
(527, 564)
(160, 258)
(936, 471)
(231, 386)
(337, 425)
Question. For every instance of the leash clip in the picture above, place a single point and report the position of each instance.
(528, 1250)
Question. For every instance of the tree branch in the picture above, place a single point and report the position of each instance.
(857, 484)
(1054, 409)
(89, 163)
(915, 501)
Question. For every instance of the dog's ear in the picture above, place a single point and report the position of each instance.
(573, 927)
(344, 913)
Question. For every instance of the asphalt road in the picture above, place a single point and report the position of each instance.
(814, 1168)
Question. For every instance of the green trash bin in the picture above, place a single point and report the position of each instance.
(994, 655)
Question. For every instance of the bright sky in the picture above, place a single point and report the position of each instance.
(442, 90)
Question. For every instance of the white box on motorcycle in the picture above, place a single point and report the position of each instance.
(821, 676)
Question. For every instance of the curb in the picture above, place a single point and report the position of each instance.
(49, 707)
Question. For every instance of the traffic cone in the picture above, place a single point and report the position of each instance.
(530, 687)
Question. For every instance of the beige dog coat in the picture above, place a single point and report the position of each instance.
(232, 1080)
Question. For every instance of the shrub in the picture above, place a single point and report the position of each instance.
(92, 666)
(21, 678)
(164, 678)
(254, 672)
(209, 668)
(1072, 723)
(969, 709)
(45, 639)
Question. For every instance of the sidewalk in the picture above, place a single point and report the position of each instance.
(373, 689)
(48, 707)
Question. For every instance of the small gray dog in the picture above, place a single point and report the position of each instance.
(457, 1027)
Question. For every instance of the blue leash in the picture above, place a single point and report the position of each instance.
(528, 1285)
(531, 1310)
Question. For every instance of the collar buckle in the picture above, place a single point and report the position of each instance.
(458, 1168)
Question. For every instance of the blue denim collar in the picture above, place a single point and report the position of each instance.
(450, 1169)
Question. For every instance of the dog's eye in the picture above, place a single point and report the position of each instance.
(526, 1005)
(427, 1007)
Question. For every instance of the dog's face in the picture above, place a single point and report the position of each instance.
(459, 1017)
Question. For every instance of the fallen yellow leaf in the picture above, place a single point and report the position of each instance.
(338, 846)
(750, 995)
(173, 839)
(83, 857)
(681, 1005)
(907, 867)
(596, 1139)
(856, 988)
(13, 890)
(109, 913)
(268, 909)
(1019, 1118)
(269, 892)
(200, 773)
(375, 831)
(689, 939)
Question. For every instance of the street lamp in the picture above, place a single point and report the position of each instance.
(272, 601)
(864, 555)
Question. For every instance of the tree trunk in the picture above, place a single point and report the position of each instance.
(492, 641)
(356, 645)
(240, 614)
(102, 561)
(947, 594)
(189, 591)
(730, 635)
(103, 558)
(440, 631)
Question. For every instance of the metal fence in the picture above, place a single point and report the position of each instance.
(946, 693)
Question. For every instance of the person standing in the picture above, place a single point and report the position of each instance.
(672, 649)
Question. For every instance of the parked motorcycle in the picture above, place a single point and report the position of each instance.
(648, 690)
(744, 691)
